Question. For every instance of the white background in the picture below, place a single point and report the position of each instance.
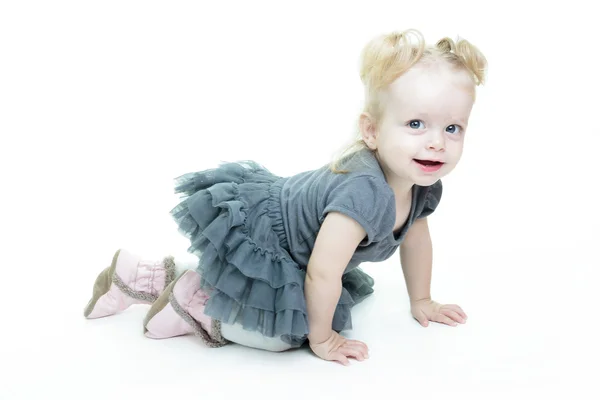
(102, 104)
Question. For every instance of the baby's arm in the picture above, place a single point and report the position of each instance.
(336, 242)
(416, 258)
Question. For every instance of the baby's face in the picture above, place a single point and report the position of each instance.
(421, 136)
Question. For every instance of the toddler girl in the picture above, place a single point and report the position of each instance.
(278, 257)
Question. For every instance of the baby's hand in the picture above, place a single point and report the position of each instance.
(428, 310)
(338, 348)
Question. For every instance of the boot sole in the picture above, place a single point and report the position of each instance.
(102, 285)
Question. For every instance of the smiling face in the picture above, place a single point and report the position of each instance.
(425, 115)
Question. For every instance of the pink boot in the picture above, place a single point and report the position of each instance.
(180, 311)
(129, 280)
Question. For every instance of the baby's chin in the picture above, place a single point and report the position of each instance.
(427, 181)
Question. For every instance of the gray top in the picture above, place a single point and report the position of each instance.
(362, 194)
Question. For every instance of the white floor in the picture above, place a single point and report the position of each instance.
(104, 103)
(532, 330)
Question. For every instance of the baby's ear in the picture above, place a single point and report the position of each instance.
(368, 130)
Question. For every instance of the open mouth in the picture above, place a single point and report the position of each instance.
(429, 163)
(429, 166)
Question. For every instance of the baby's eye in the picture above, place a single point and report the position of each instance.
(456, 129)
(415, 123)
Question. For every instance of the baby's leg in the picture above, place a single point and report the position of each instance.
(177, 304)
(180, 311)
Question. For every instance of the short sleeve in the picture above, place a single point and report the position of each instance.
(366, 199)
(432, 199)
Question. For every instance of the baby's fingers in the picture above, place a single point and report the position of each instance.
(421, 318)
(456, 308)
(339, 357)
(454, 315)
(444, 320)
(358, 344)
(350, 351)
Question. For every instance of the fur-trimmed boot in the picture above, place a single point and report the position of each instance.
(129, 280)
(179, 310)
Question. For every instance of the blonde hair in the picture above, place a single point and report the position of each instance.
(388, 56)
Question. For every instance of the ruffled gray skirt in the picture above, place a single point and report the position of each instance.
(232, 216)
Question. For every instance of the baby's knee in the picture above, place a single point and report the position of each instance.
(237, 334)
